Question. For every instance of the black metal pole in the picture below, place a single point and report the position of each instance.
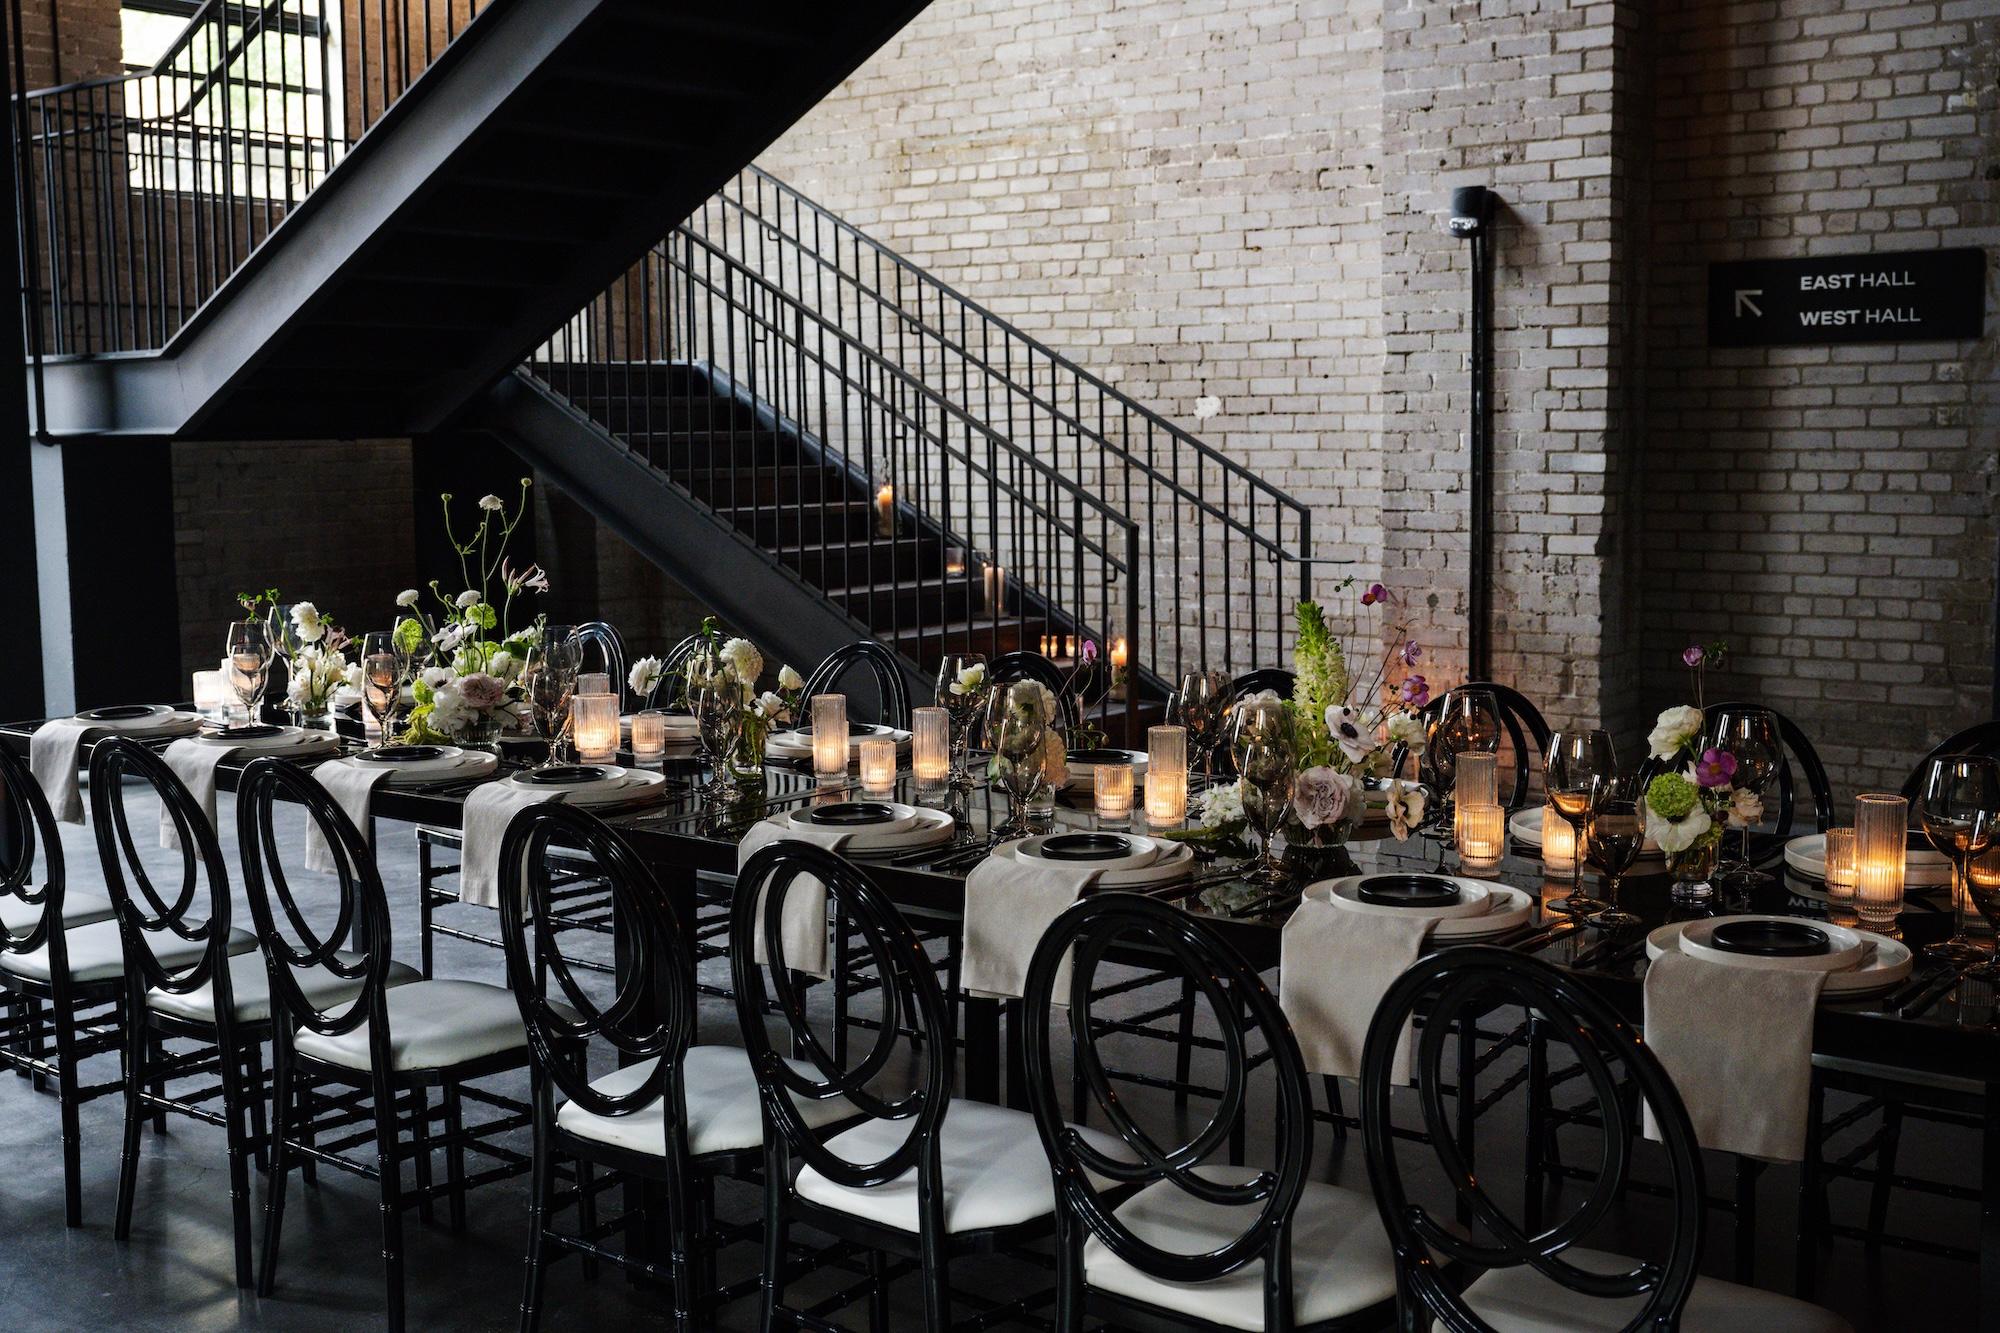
(1471, 220)
(20, 608)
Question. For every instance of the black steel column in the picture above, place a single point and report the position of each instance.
(1471, 220)
(21, 687)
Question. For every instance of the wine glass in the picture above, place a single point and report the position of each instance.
(962, 691)
(1467, 719)
(1017, 726)
(249, 652)
(1265, 750)
(718, 704)
(1197, 705)
(1576, 762)
(283, 634)
(1749, 735)
(385, 670)
(1961, 808)
(1616, 830)
(548, 675)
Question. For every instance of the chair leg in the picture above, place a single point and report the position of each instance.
(128, 1156)
(776, 1182)
(37, 1040)
(284, 1101)
(1335, 1108)
(64, 1016)
(541, 1182)
(158, 1087)
(1805, 1255)
(454, 1156)
(420, 1138)
(937, 1284)
(1747, 1173)
(1885, 1167)
(392, 1201)
(878, 1292)
(426, 875)
(1184, 1043)
(586, 1212)
(239, 1149)
(255, 1093)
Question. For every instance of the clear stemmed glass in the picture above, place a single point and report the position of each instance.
(1265, 750)
(963, 696)
(1961, 807)
(1749, 735)
(1198, 705)
(548, 675)
(385, 670)
(283, 634)
(249, 651)
(718, 704)
(1017, 727)
(1616, 831)
(1576, 762)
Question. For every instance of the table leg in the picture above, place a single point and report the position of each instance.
(1989, 1215)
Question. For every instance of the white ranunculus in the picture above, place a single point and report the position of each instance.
(491, 504)
(743, 659)
(790, 680)
(770, 707)
(1407, 729)
(408, 597)
(644, 677)
(353, 675)
(1677, 835)
(468, 598)
(1674, 729)
(970, 680)
(504, 665)
(449, 712)
(308, 622)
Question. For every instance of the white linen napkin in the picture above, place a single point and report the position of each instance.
(1010, 902)
(52, 758)
(1737, 1042)
(1334, 967)
(352, 787)
(195, 765)
(803, 929)
(488, 811)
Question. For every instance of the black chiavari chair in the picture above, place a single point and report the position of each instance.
(1504, 1271)
(602, 637)
(1982, 738)
(1024, 664)
(1525, 730)
(892, 691)
(1160, 1235)
(386, 1046)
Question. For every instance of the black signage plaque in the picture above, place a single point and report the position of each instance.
(1906, 296)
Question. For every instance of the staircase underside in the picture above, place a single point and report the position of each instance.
(529, 166)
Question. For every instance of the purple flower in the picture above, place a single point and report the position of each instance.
(1414, 691)
(1692, 654)
(1376, 593)
(1715, 768)
(1089, 651)
(1411, 652)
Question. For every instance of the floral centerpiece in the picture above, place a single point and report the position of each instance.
(319, 664)
(1346, 731)
(1690, 804)
(470, 689)
(722, 674)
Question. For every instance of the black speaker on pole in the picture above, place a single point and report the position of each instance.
(1471, 220)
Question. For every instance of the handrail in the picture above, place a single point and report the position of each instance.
(1207, 451)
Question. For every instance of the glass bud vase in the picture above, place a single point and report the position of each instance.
(746, 763)
(314, 716)
(1694, 869)
(481, 733)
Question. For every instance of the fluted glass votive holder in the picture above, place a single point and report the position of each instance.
(1482, 838)
(592, 682)
(1111, 792)
(1166, 776)
(878, 763)
(211, 696)
(829, 727)
(1881, 832)
(649, 736)
(1558, 841)
(594, 727)
(1840, 866)
(1478, 779)
(930, 746)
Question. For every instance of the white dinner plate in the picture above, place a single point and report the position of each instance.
(1082, 766)
(1508, 908)
(901, 818)
(155, 717)
(447, 760)
(285, 739)
(634, 785)
(1884, 965)
(1924, 867)
(1140, 850)
(1525, 827)
(1475, 897)
(1846, 947)
(1176, 861)
(932, 826)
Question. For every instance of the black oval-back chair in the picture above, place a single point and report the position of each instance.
(1981, 738)
(609, 644)
(1527, 733)
(1024, 664)
(892, 692)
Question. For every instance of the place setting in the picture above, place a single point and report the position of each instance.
(1462, 910)
(56, 747)
(797, 744)
(1856, 963)
(196, 759)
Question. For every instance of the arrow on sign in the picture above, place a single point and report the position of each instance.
(1743, 301)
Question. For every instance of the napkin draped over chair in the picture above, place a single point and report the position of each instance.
(1010, 902)
(195, 763)
(803, 928)
(1335, 966)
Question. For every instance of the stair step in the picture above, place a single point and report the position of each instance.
(910, 603)
(847, 523)
(766, 486)
(839, 565)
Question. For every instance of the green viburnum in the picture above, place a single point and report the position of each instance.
(1671, 796)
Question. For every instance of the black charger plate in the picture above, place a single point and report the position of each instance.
(847, 814)
(563, 775)
(856, 730)
(119, 713)
(1085, 847)
(249, 732)
(1078, 757)
(1407, 891)
(401, 754)
(1770, 939)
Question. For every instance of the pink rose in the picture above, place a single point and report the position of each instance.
(482, 691)
(1319, 796)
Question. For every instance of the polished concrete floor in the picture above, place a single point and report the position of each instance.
(175, 1272)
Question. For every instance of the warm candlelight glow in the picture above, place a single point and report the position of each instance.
(996, 588)
(885, 510)
(211, 697)
(1986, 868)
(1112, 787)
(1478, 780)
(594, 727)
(1166, 775)
(1840, 865)
(878, 763)
(829, 728)
(1558, 841)
(1881, 824)
(592, 682)
(1119, 653)
(1069, 645)
(930, 745)
(1482, 837)
(649, 735)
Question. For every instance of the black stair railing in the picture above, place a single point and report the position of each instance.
(141, 194)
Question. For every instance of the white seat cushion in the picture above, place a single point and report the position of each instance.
(432, 1025)
(96, 953)
(250, 990)
(995, 1172)
(1341, 1261)
(1520, 1300)
(723, 1113)
(80, 908)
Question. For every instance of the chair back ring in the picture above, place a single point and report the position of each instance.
(34, 829)
(892, 692)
